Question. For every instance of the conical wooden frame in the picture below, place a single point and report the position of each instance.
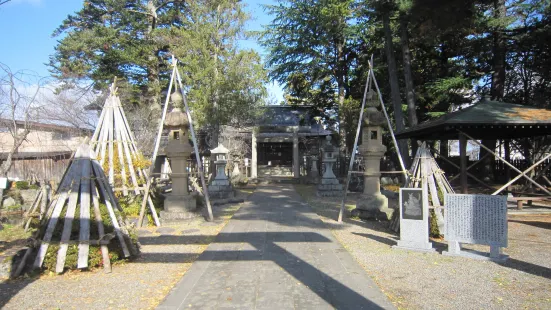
(425, 173)
(113, 141)
(84, 187)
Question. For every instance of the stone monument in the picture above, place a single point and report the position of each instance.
(329, 185)
(179, 205)
(220, 186)
(372, 204)
(414, 220)
(477, 219)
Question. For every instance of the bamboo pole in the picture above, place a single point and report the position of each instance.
(195, 146)
(389, 124)
(353, 156)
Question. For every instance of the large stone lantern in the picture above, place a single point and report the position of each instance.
(329, 185)
(178, 205)
(372, 204)
(220, 186)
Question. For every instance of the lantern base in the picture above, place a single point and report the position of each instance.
(374, 206)
(178, 208)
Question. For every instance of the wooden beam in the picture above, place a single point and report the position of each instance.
(463, 163)
(507, 163)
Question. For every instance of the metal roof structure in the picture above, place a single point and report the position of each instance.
(485, 120)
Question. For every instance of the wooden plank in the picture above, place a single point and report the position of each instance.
(153, 211)
(105, 135)
(110, 144)
(32, 209)
(84, 234)
(99, 125)
(119, 139)
(69, 216)
(128, 154)
(101, 229)
(463, 163)
(127, 126)
(109, 204)
(57, 204)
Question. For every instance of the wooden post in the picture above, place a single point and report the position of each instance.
(463, 162)
(195, 144)
(508, 158)
(351, 164)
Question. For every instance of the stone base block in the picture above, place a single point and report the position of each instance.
(220, 182)
(373, 207)
(329, 188)
(414, 246)
(171, 218)
(220, 191)
(495, 255)
(329, 181)
(178, 209)
(328, 193)
(180, 203)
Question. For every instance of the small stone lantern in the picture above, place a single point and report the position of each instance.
(372, 204)
(329, 185)
(220, 186)
(313, 174)
(178, 205)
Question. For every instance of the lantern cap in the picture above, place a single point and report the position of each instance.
(220, 149)
(176, 119)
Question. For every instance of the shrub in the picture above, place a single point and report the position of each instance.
(22, 185)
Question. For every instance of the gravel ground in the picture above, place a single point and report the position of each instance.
(166, 254)
(414, 280)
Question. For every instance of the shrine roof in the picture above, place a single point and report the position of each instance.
(485, 120)
(287, 115)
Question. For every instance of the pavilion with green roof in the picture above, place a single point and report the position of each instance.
(483, 120)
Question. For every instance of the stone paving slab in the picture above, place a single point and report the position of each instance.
(275, 253)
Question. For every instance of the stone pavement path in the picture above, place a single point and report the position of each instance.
(275, 253)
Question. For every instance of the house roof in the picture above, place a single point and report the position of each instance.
(287, 115)
(43, 126)
(485, 120)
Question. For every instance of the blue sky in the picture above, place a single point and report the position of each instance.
(27, 26)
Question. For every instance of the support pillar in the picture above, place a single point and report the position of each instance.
(507, 147)
(463, 162)
(296, 159)
(254, 155)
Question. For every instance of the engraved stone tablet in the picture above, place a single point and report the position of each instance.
(476, 219)
(414, 221)
(412, 204)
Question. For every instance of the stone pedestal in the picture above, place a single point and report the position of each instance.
(179, 205)
(329, 185)
(372, 204)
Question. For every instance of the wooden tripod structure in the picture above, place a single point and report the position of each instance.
(370, 78)
(426, 174)
(116, 147)
(84, 187)
(176, 81)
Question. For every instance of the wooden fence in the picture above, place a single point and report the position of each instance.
(38, 169)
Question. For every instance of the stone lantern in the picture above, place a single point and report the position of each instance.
(372, 204)
(329, 185)
(178, 205)
(220, 186)
(313, 174)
